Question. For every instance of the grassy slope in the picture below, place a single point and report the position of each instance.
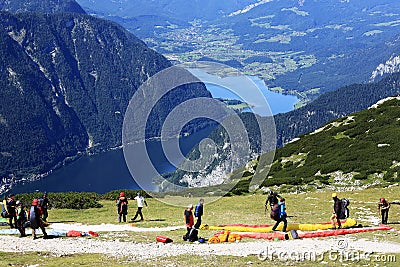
(305, 208)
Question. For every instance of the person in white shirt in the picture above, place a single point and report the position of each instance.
(140, 203)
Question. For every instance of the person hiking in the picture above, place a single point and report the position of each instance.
(122, 207)
(383, 209)
(35, 219)
(278, 213)
(11, 209)
(198, 212)
(21, 218)
(271, 200)
(140, 203)
(44, 205)
(189, 220)
(337, 206)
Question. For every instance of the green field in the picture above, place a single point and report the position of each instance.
(248, 209)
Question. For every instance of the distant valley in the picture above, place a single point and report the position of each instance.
(299, 47)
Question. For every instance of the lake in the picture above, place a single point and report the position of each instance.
(108, 171)
(249, 89)
(104, 172)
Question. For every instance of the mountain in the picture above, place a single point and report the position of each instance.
(356, 151)
(298, 47)
(66, 81)
(47, 6)
(327, 107)
(170, 9)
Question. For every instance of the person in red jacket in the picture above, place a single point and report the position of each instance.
(189, 220)
(122, 207)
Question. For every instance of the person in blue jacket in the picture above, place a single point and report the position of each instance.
(278, 213)
(198, 212)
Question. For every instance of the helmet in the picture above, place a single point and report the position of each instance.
(334, 195)
(18, 203)
(35, 202)
(122, 194)
(190, 206)
(382, 199)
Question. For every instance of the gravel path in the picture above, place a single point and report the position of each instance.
(290, 248)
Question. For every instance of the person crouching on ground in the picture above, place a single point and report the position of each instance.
(21, 218)
(35, 219)
(189, 220)
(383, 209)
(122, 207)
(336, 212)
(278, 214)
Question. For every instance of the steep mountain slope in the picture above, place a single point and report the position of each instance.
(355, 151)
(66, 80)
(327, 107)
(47, 6)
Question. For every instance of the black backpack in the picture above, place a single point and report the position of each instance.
(344, 210)
(192, 236)
(4, 211)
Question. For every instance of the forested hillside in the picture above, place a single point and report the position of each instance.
(66, 80)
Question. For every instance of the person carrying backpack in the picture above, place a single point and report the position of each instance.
(198, 212)
(11, 209)
(35, 219)
(44, 205)
(122, 207)
(21, 218)
(383, 209)
(337, 210)
(278, 213)
(271, 200)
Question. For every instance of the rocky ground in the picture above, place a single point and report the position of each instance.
(289, 249)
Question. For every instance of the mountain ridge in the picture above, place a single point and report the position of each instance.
(66, 81)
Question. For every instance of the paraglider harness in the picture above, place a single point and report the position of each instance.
(277, 212)
(344, 210)
(4, 210)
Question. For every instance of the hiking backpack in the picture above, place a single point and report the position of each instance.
(344, 210)
(275, 212)
(124, 207)
(4, 211)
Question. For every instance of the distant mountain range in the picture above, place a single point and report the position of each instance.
(66, 80)
(303, 47)
(327, 107)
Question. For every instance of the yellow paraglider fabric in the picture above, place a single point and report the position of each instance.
(291, 226)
